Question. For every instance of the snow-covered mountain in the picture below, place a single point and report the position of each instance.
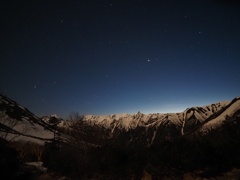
(19, 123)
(150, 128)
(209, 115)
(52, 120)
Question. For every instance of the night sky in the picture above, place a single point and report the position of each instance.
(113, 57)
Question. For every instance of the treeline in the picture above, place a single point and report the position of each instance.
(92, 153)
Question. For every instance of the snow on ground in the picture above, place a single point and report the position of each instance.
(38, 165)
(24, 127)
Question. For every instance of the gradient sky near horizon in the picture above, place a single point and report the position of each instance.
(113, 57)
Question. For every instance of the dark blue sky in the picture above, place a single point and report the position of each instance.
(113, 57)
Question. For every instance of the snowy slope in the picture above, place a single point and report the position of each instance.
(18, 123)
(230, 110)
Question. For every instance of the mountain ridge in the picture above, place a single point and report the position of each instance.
(153, 126)
(128, 121)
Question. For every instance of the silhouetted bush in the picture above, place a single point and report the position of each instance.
(9, 162)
